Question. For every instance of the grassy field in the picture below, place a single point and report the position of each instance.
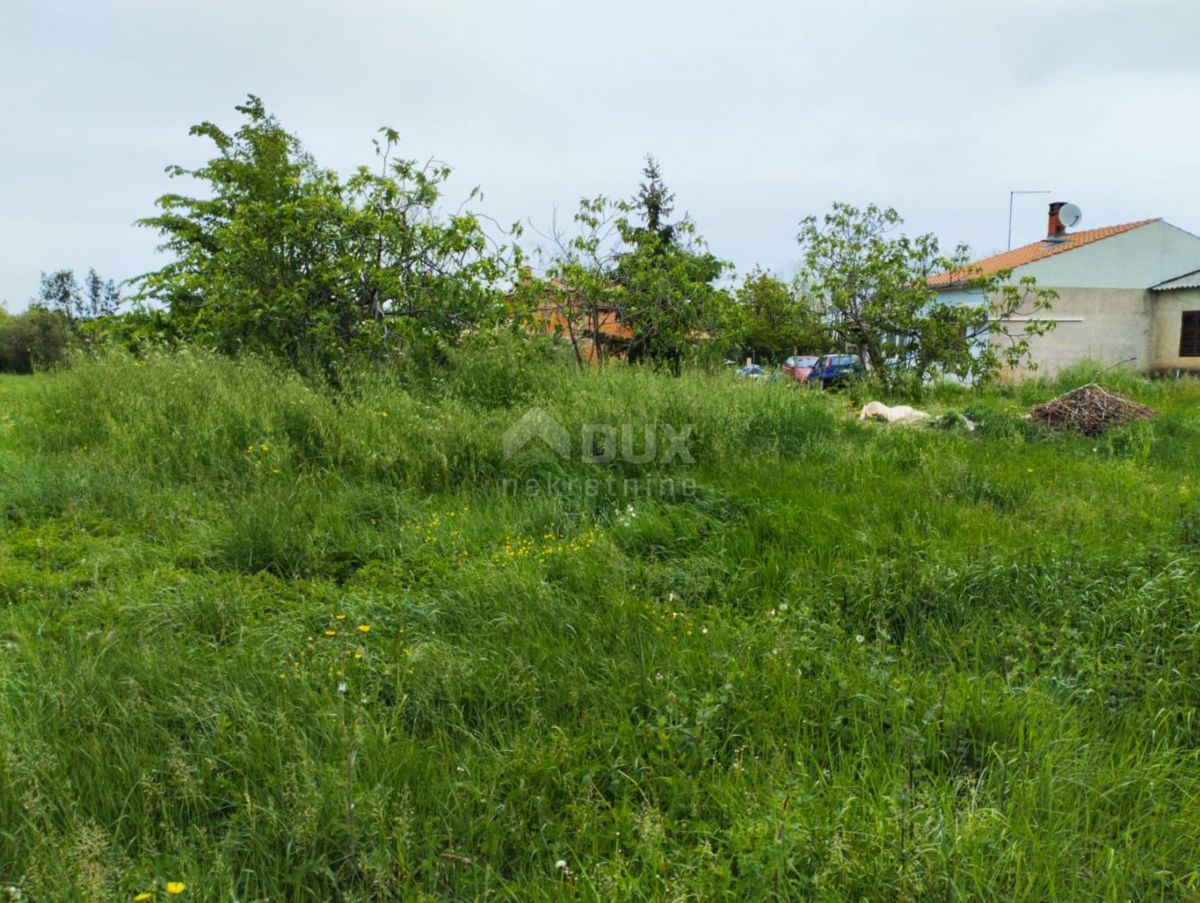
(278, 643)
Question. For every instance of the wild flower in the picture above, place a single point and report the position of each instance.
(364, 628)
(174, 888)
(143, 897)
(339, 617)
(329, 631)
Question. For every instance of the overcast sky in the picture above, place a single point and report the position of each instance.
(760, 111)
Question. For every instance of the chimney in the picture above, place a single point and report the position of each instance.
(1055, 230)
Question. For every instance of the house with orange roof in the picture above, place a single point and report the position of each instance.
(1126, 293)
(595, 330)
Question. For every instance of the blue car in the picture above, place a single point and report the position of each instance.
(834, 369)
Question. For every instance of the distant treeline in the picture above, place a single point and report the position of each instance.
(280, 257)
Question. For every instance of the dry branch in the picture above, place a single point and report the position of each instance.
(1090, 409)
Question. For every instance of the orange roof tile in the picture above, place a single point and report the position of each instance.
(1038, 250)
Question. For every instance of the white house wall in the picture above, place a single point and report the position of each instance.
(1104, 325)
(1168, 318)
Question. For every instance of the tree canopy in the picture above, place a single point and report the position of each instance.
(284, 257)
(776, 320)
(873, 287)
(61, 292)
(628, 261)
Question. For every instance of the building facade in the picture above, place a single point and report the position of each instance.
(1126, 294)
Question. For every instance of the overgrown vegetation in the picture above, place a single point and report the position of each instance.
(275, 641)
(35, 338)
(323, 578)
(874, 290)
(276, 256)
(61, 318)
(282, 257)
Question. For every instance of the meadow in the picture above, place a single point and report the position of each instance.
(277, 641)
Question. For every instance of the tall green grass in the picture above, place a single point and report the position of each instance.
(826, 660)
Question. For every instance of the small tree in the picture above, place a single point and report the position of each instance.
(578, 294)
(776, 320)
(283, 257)
(875, 293)
(670, 298)
(630, 265)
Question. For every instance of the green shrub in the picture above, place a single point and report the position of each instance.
(37, 338)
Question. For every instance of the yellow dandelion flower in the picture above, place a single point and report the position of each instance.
(339, 617)
(143, 897)
(174, 888)
(364, 628)
(331, 632)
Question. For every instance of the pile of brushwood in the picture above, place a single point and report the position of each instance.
(1090, 409)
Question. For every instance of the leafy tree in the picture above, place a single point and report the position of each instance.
(670, 298)
(60, 291)
(777, 320)
(667, 275)
(628, 262)
(578, 295)
(875, 295)
(36, 338)
(284, 257)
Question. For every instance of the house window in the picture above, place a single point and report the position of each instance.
(1189, 334)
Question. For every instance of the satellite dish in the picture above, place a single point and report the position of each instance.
(1070, 215)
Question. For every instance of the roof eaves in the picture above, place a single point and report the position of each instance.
(1187, 280)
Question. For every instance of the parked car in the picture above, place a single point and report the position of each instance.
(799, 366)
(834, 369)
(751, 371)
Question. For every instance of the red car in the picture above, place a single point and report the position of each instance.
(798, 367)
